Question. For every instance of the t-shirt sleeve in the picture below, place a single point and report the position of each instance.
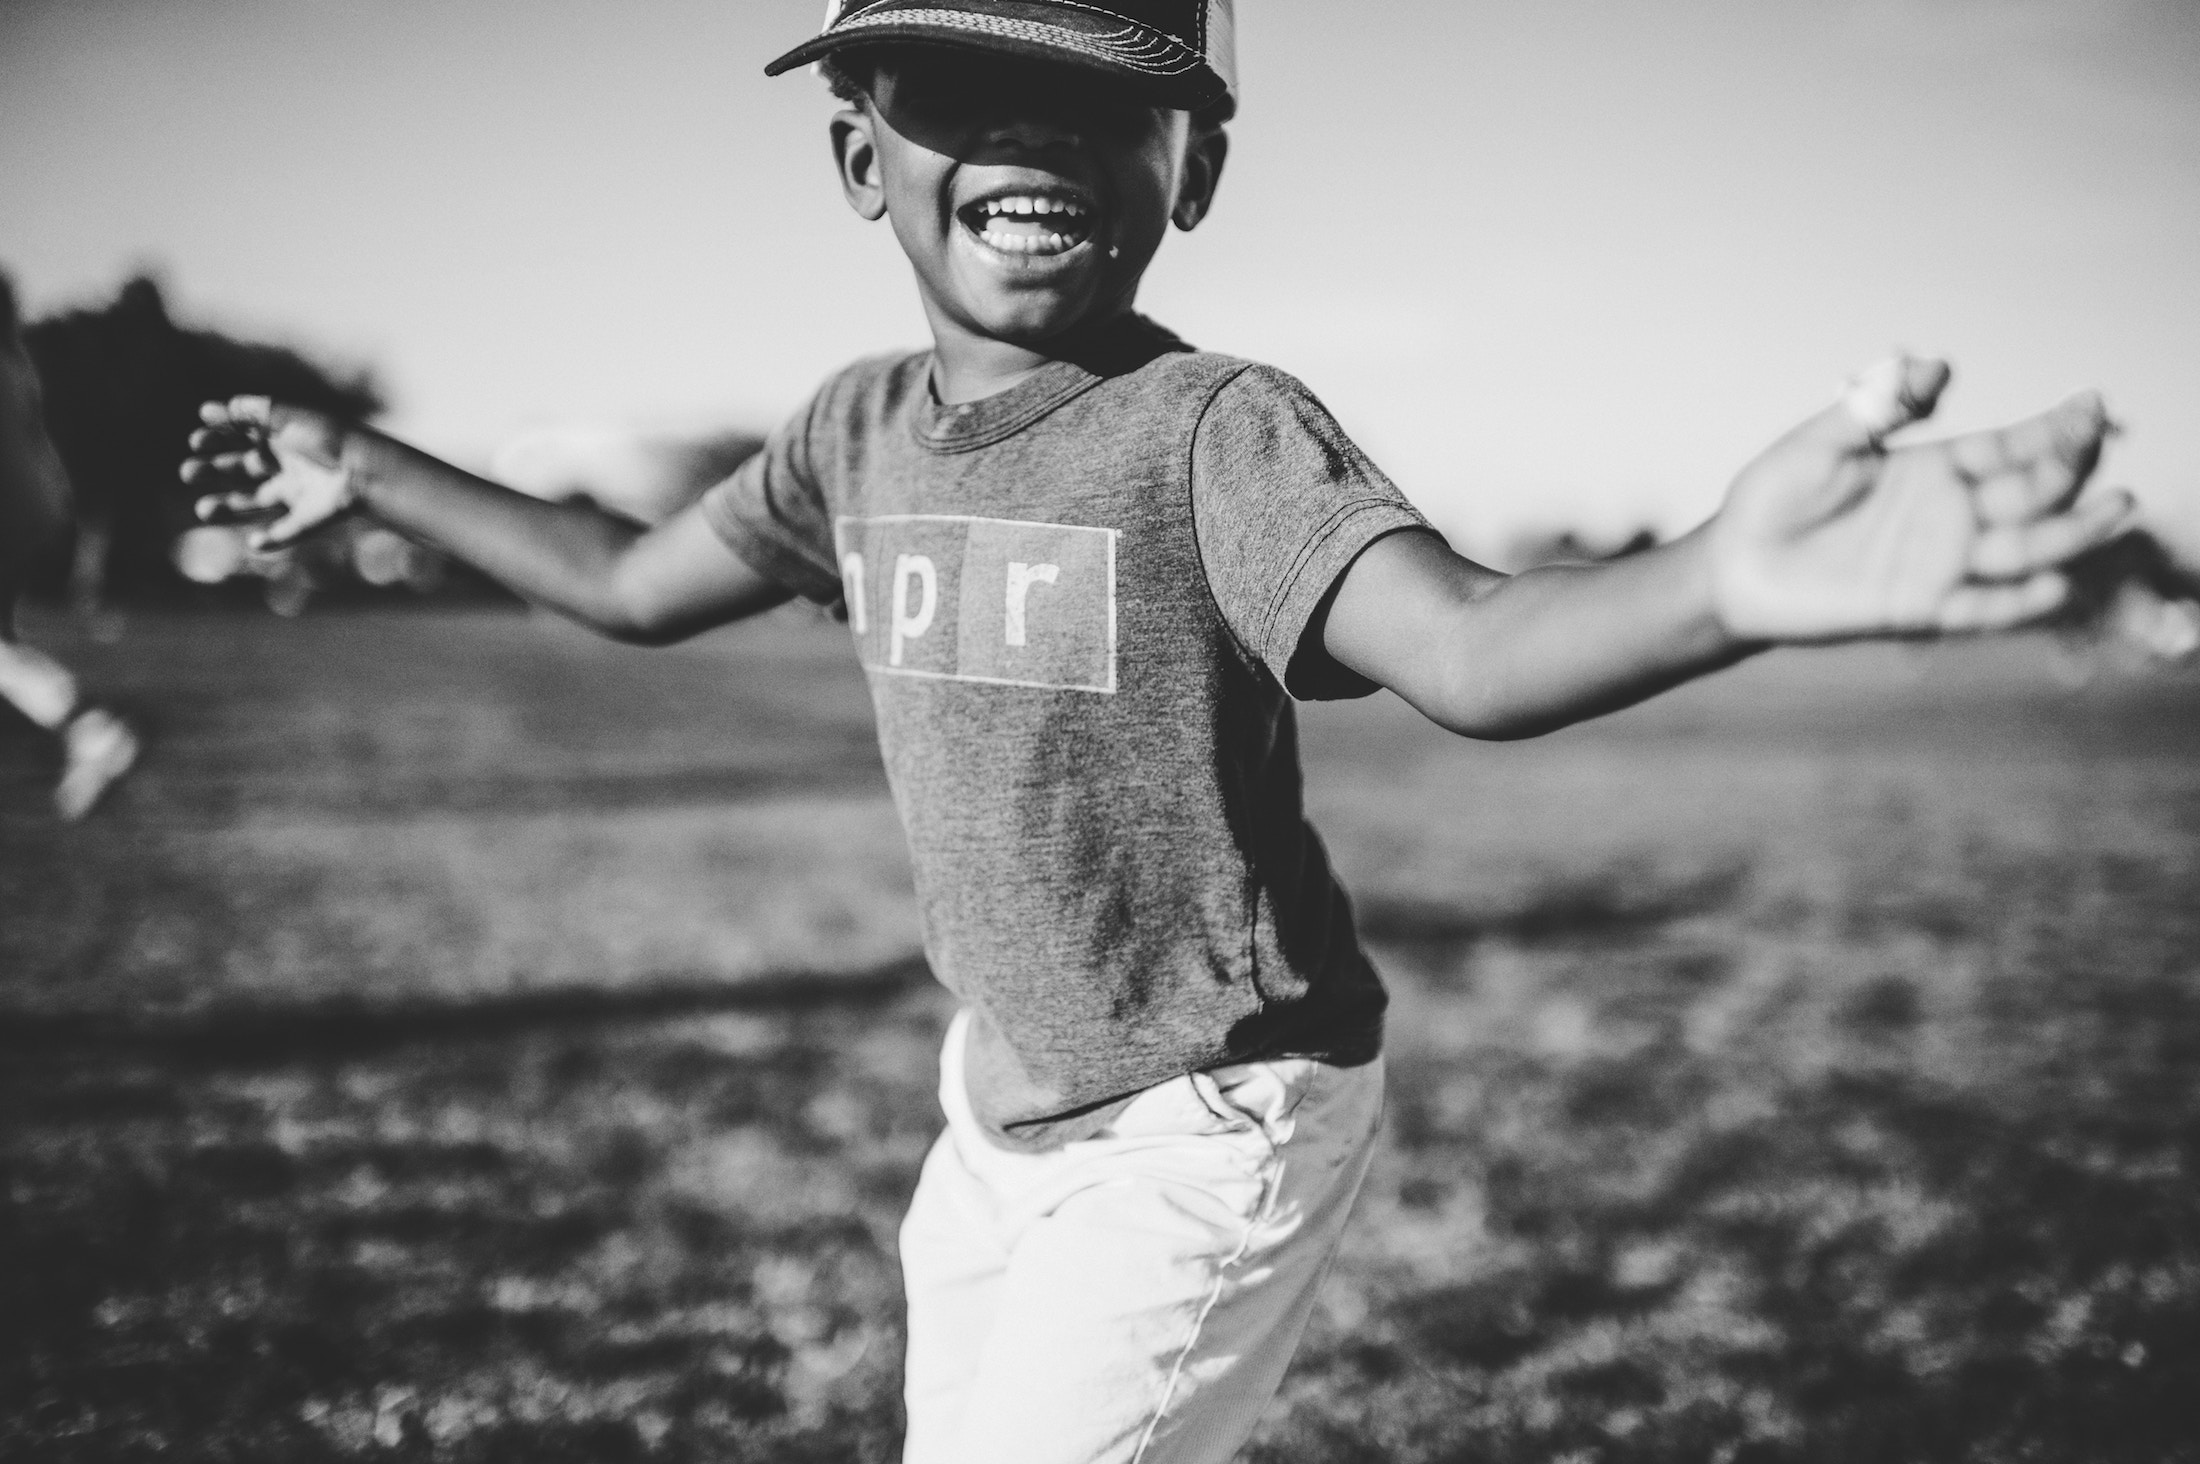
(773, 510)
(1283, 502)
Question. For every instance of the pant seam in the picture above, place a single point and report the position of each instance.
(1214, 1295)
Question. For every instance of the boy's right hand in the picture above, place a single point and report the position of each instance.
(282, 464)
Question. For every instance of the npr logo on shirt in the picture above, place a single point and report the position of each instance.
(981, 599)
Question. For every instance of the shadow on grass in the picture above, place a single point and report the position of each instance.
(252, 1033)
(1610, 904)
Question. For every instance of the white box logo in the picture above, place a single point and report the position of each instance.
(981, 599)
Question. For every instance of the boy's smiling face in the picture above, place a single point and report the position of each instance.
(1029, 198)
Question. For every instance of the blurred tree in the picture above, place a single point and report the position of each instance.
(123, 384)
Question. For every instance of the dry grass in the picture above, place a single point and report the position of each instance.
(466, 1042)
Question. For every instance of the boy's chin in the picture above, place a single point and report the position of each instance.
(1032, 322)
(1042, 305)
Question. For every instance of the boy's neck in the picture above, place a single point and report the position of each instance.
(968, 366)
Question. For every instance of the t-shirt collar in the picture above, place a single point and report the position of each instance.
(981, 423)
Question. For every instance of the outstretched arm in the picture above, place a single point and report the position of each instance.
(1829, 535)
(302, 468)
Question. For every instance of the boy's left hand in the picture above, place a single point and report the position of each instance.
(1830, 534)
(283, 466)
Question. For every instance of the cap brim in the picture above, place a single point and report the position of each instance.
(1157, 67)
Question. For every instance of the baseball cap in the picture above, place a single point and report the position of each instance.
(1181, 53)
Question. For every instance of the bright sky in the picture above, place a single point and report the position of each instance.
(1552, 261)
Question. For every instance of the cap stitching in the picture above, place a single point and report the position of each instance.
(1025, 30)
(1052, 35)
(1111, 15)
(1199, 38)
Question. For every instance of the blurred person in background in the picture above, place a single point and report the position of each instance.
(36, 512)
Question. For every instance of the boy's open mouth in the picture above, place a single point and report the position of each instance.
(1029, 223)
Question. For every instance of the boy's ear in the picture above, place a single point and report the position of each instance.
(855, 153)
(1205, 152)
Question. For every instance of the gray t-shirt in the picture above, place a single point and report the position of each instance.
(1079, 604)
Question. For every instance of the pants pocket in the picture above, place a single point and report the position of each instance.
(1265, 1095)
(1186, 1107)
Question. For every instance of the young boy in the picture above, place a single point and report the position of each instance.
(97, 747)
(1086, 568)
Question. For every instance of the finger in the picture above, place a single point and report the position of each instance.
(206, 470)
(1882, 398)
(1889, 395)
(234, 503)
(209, 440)
(2013, 551)
(251, 411)
(2034, 464)
(228, 413)
(224, 503)
(229, 506)
(254, 462)
(2002, 607)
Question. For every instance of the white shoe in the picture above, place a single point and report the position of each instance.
(100, 748)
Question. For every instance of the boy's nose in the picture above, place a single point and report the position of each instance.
(1033, 128)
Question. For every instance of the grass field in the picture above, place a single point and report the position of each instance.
(466, 1041)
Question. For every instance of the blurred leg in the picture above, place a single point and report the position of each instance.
(39, 686)
(97, 746)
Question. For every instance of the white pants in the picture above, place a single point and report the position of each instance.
(1134, 1296)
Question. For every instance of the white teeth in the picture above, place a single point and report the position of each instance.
(1021, 206)
(1032, 223)
(1047, 243)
